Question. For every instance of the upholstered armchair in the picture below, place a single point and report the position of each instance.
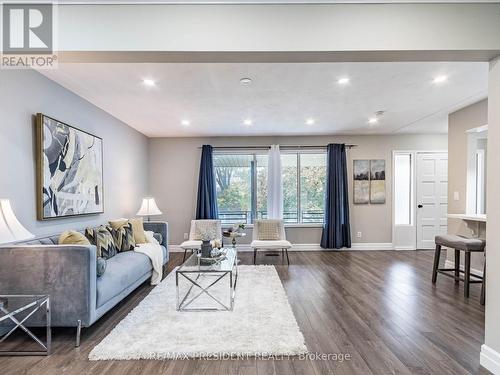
(198, 228)
(269, 235)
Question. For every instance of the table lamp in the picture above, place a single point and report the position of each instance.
(149, 208)
(11, 229)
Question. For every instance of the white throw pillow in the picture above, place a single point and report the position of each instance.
(150, 237)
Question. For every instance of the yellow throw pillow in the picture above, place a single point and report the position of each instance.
(138, 229)
(118, 223)
(72, 237)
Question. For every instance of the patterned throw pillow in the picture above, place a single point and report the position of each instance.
(102, 238)
(123, 235)
(269, 230)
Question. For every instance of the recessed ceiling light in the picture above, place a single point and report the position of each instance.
(246, 81)
(149, 82)
(373, 120)
(440, 79)
(343, 81)
(310, 121)
(185, 123)
(247, 122)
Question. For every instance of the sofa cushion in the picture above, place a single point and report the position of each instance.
(123, 270)
(51, 240)
(280, 244)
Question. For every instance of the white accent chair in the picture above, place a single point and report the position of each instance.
(263, 244)
(194, 242)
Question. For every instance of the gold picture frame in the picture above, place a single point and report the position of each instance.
(69, 170)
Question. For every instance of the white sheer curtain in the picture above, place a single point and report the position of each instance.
(274, 184)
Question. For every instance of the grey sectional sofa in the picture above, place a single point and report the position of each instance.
(67, 273)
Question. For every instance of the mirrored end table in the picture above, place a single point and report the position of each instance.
(207, 285)
(15, 313)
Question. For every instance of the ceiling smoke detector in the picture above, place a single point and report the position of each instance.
(246, 81)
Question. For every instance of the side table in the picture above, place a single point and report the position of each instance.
(17, 309)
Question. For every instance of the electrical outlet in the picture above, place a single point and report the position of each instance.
(456, 196)
(359, 234)
(186, 236)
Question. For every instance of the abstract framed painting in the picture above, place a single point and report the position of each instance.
(361, 176)
(377, 181)
(69, 170)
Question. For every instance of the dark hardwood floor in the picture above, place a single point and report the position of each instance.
(377, 306)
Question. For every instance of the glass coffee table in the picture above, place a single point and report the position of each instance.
(207, 285)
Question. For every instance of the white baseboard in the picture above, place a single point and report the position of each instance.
(490, 359)
(175, 249)
(450, 264)
(410, 247)
(311, 247)
(372, 246)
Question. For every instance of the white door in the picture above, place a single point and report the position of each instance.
(431, 197)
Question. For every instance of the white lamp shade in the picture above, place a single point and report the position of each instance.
(149, 208)
(11, 229)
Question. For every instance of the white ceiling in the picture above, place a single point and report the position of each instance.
(281, 97)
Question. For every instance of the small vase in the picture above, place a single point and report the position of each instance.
(206, 249)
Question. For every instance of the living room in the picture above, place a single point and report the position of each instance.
(289, 207)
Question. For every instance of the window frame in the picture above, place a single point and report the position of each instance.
(264, 151)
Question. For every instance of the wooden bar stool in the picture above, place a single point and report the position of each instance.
(458, 243)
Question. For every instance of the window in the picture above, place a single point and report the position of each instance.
(304, 178)
(290, 180)
(402, 189)
(242, 186)
(312, 187)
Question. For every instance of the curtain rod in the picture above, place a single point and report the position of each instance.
(268, 147)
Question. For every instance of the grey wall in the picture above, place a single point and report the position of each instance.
(23, 93)
(458, 123)
(174, 177)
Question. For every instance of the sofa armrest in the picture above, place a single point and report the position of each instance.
(65, 272)
(158, 227)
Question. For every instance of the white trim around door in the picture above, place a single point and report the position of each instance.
(404, 233)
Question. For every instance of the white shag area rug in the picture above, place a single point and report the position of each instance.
(262, 323)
